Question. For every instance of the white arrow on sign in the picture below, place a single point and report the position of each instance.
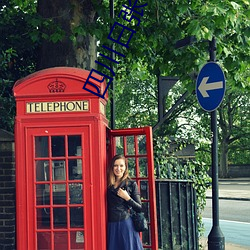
(204, 86)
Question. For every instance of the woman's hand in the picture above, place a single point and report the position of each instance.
(123, 194)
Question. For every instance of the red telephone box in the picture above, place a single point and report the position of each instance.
(63, 144)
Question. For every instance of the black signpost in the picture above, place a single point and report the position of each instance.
(210, 89)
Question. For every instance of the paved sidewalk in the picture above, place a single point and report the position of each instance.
(242, 193)
(228, 246)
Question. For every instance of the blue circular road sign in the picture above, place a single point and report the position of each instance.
(210, 86)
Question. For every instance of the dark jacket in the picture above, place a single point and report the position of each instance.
(118, 208)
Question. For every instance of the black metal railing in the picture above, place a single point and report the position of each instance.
(176, 211)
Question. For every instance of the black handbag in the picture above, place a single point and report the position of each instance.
(140, 222)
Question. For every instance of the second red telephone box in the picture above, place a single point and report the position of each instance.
(62, 149)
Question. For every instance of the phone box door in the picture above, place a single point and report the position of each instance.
(59, 187)
(137, 146)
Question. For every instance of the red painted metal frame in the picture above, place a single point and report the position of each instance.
(34, 88)
(31, 184)
(95, 217)
(147, 131)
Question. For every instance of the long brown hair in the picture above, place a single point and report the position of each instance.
(111, 175)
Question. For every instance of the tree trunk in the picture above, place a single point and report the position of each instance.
(223, 166)
(67, 15)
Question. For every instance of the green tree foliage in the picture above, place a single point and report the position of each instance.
(172, 167)
(17, 54)
(234, 117)
(233, 128)
(151, 53)
(161, 26)
(164, 24)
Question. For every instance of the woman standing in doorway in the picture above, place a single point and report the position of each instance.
(122, 195)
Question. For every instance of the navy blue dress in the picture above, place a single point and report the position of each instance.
(121, 231)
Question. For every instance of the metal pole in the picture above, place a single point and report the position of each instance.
(160, 108)
(216, 240)
(112, 85)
